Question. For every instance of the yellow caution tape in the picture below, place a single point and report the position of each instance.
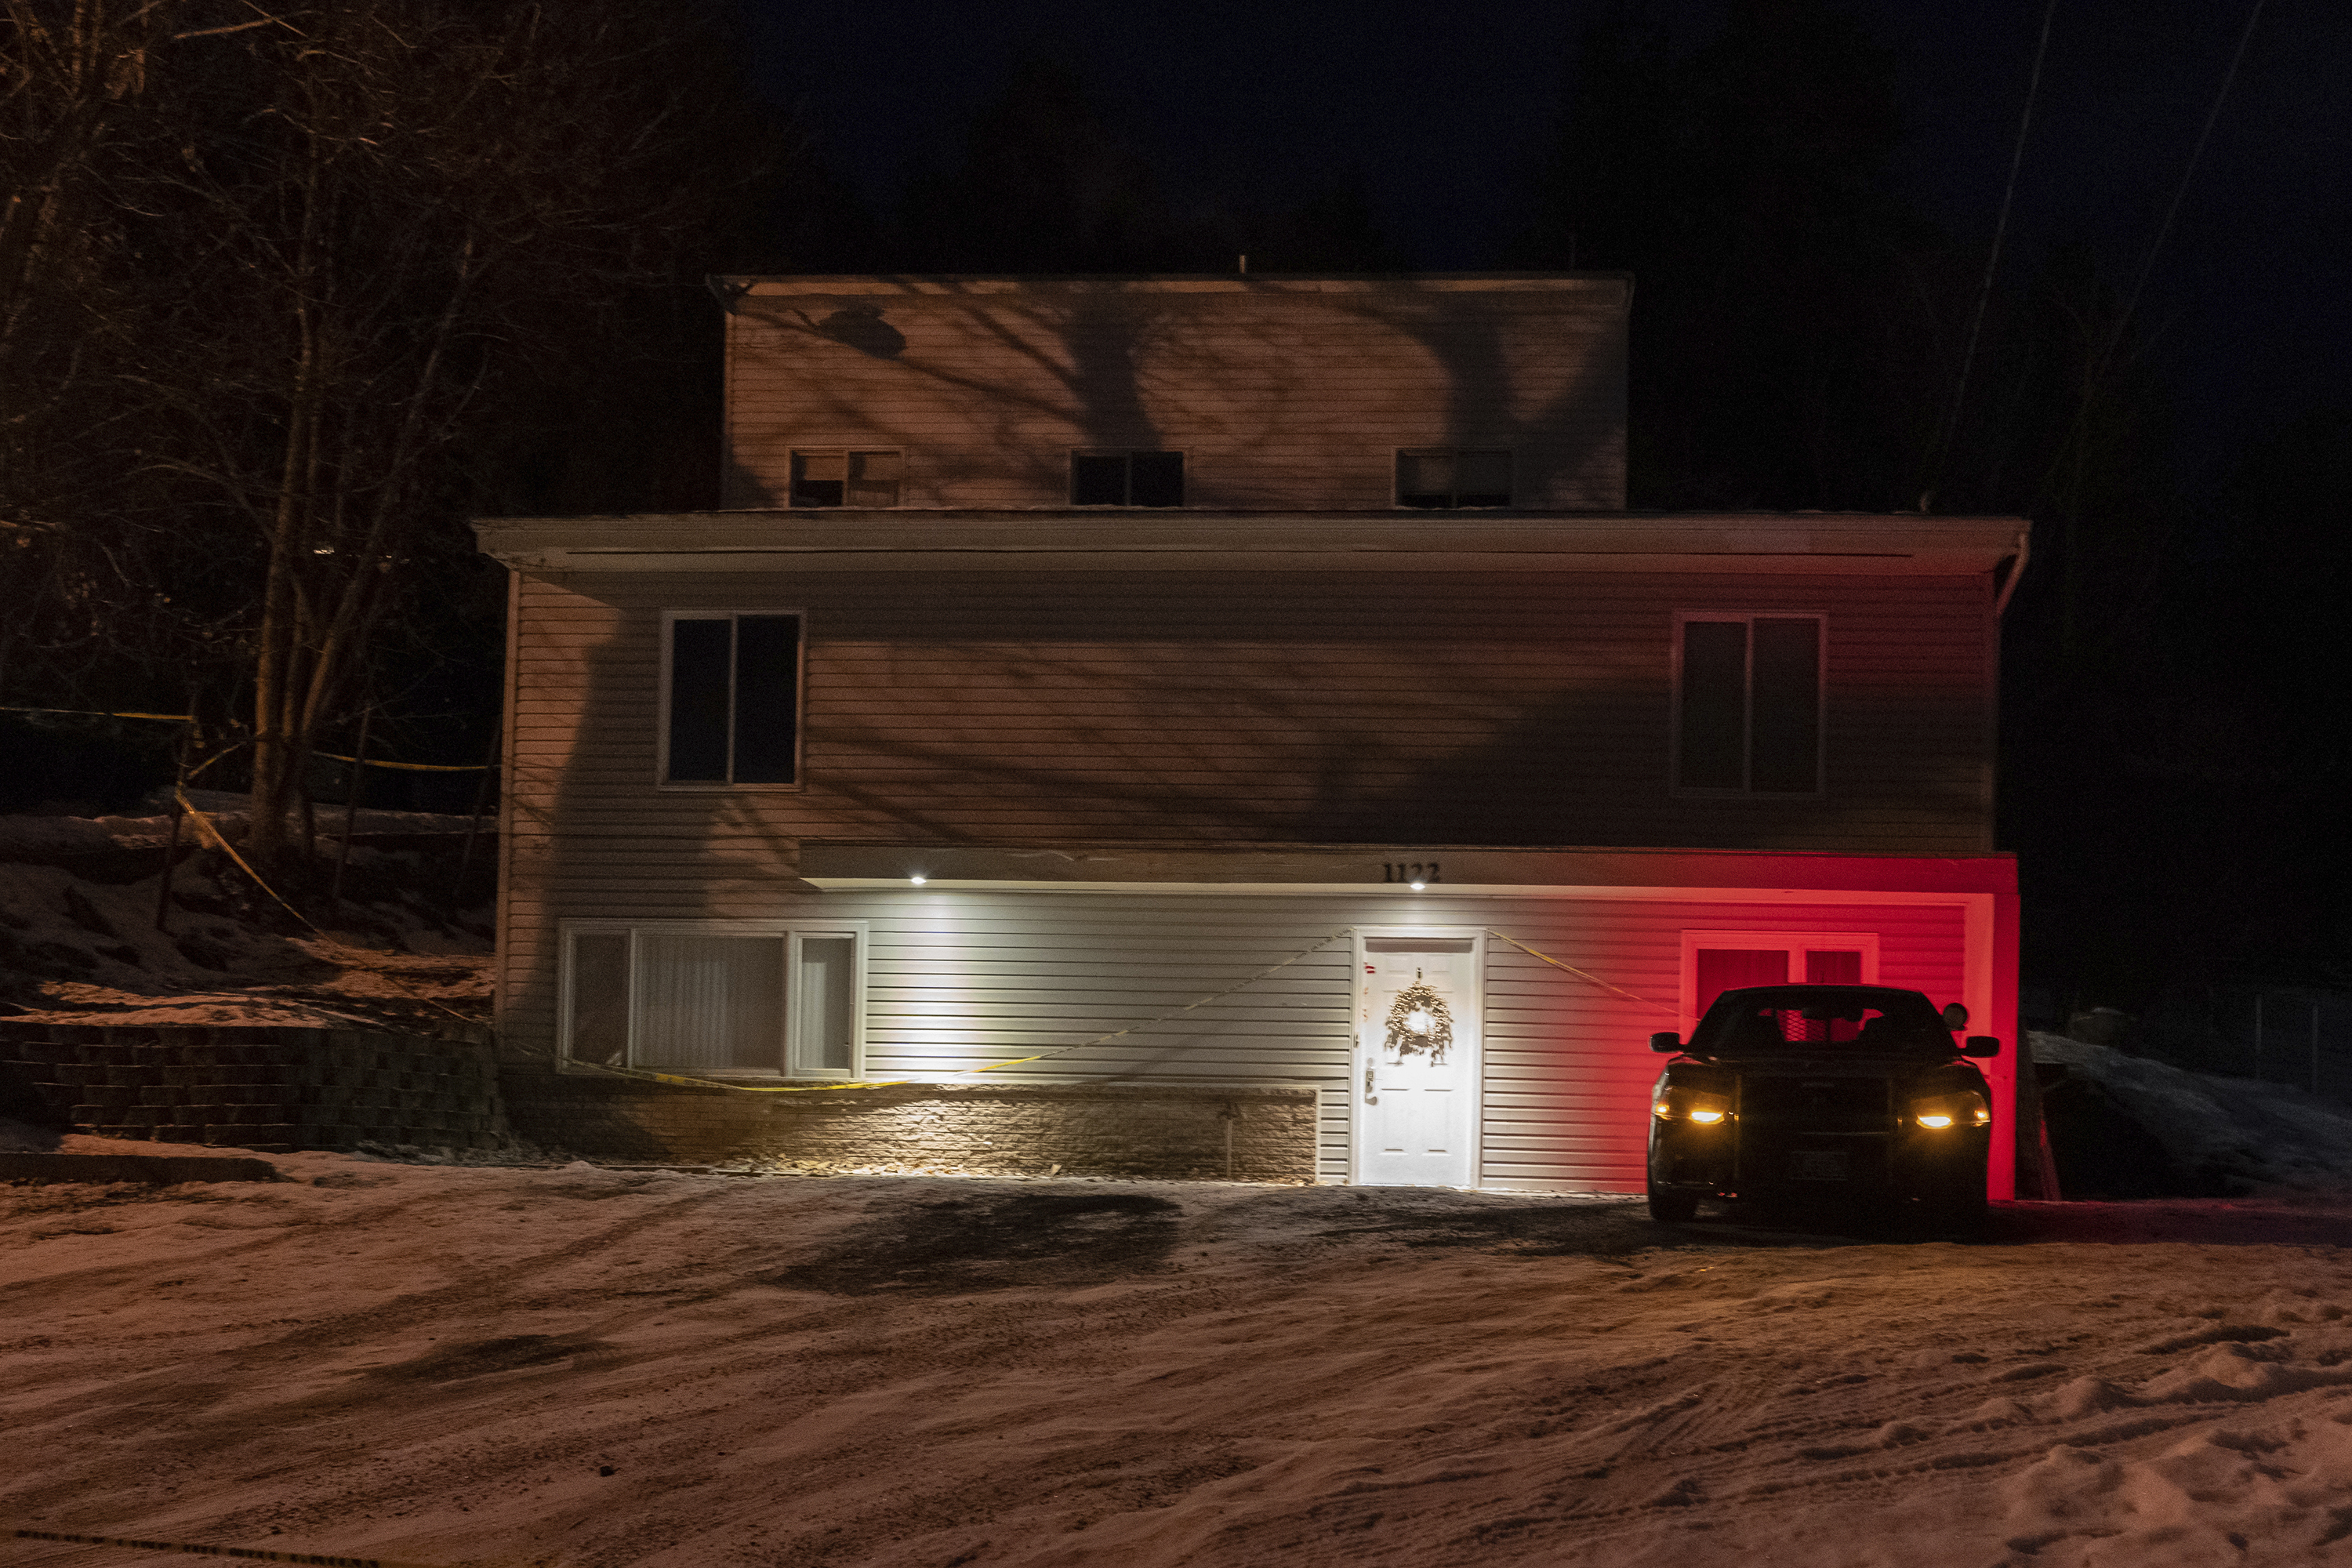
(190, 719)
(685, 1082)
(94, 713)
(1580, 975)
(960, 1072)
(204, 826)
(254, 1554)
(407, 767)
(576, 1066)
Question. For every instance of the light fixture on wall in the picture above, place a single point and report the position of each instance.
(1417, 887)
(918, 879)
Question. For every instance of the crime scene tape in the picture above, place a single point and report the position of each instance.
(94, 713)
(214, 836)
(190, 719)
(1580, 975)
(252, 1554)
(219, 841)
(406, 767)
(961, 1072)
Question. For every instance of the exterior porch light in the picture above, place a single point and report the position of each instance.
(918, 879)
(1417, 887)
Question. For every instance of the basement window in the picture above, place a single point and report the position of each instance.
(1439, 476)
(1748, 704)
(846, 476)
(1127, 479)
(715, 997)
(730, 697)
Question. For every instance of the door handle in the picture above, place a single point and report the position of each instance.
(1368, 1081)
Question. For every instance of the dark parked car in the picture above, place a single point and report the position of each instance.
(1851, 1096)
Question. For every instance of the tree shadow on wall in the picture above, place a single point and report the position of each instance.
(1090, 366)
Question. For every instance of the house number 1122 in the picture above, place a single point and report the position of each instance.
(1413, 871)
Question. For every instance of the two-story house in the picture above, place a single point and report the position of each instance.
(1247, 695)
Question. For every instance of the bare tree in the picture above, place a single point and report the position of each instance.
(339, 240)
(79, 124)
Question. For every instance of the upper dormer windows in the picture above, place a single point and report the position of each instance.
(1453, 477)
(838, 476)
(1127, 479)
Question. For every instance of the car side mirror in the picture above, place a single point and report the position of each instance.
(1955, 1016)
(1665, 1041)
(1981, 1046)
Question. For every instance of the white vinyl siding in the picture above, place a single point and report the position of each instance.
(1070, 706)
(957, 978)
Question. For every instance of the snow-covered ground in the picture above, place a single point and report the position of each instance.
(584, 1367)
(78, 934)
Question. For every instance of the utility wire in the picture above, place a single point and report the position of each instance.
(2245, 36)
(1950, 432)
(2098, 367)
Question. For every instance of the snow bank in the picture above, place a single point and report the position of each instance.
(78, 937)
(2241, 1133)
(28, 837)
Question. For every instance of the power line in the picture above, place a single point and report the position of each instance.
(2172, 212)
(1951, 429)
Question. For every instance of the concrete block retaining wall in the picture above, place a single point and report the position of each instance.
(1112, 1129)
(254, 1087)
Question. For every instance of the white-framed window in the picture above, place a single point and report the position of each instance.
(1715, 962)
(1442, 477)
(770, 999)
(1747, 703)
(846, 476)
(1106, 477)
(730, 698)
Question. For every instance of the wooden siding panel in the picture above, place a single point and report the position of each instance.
(1504, 707)
(1278, 400)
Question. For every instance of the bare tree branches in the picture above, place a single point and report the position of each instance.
(272, 279)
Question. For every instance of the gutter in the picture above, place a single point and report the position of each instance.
(2025, 554)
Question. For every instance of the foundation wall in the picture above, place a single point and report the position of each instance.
(275, 1090)
(1257, 1134)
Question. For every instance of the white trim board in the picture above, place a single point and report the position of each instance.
(1378, 890)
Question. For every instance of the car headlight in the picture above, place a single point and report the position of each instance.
(1966, 1108)
(1692, 1105)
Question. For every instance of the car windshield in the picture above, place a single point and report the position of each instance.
(1843, 1020)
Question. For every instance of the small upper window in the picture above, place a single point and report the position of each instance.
(1127, 479)
(1452, 476)
(845, 477)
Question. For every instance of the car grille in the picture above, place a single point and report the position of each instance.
(1816, 1105)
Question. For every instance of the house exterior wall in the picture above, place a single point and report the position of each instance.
(1280, 391)
(1218, 1132)
(961, 978)
(1523, 708)
(1289, 664)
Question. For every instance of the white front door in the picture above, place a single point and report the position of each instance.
(1416, 1081)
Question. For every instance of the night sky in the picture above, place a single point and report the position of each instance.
(1442, 110)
